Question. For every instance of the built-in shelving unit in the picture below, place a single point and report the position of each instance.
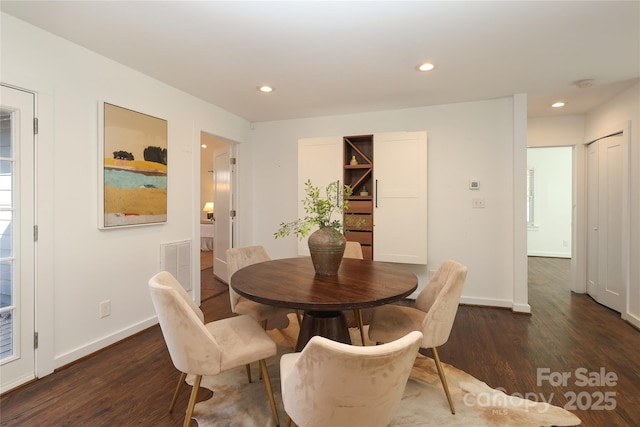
(358, 173)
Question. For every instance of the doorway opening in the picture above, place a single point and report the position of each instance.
(549, 206)
(216, 202)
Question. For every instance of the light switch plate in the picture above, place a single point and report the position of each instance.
(477, 203)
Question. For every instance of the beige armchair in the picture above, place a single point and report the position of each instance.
(434, 313)
(167, 279)
(354, 250)
(238, 258)
(199, 349)
(340, 385)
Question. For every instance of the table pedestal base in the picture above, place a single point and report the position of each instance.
(329, 324)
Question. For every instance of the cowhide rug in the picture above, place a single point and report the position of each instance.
(235, 402)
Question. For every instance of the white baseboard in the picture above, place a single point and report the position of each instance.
(634, 320)
(489, 302)
(521, 308)
(16, 383)
(549, 254)
(92, 347)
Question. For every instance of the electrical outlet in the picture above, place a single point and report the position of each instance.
(105, 308)
(477, 203)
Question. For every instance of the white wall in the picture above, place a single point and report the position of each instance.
(550, 235)
(80, 265)
(465, 141)
(555, 131)
(613, 115)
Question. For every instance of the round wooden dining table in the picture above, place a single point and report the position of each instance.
(292, 283)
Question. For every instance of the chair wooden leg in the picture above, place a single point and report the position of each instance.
(267, 386)
(183, 376)
(288, 421)
(358, 315)
(192, 401)
(443, 379)
(248, 367)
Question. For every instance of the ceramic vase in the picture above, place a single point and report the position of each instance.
(326, 246)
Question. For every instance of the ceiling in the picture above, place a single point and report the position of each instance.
(340, 57)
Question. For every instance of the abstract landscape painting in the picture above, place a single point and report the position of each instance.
(134, 168)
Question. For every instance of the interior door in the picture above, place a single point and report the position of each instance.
(17, 279)
(607, 252)
(224, 205)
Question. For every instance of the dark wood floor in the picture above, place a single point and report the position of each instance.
(131, 383)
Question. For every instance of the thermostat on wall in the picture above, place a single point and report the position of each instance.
(474, 185)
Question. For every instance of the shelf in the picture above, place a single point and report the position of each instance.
(359, 166)
(360, 177)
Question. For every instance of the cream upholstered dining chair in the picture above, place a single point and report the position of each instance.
(165, 278)
(334, 384)
(434, 313)
(199, 349)
(354, 250)
(245, 256)
(241, 257)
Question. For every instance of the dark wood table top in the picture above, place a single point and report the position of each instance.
(292, 282)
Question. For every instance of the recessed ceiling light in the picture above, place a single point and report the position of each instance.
(204, 146)
(558, 104)
(265, 89)
(427, 66)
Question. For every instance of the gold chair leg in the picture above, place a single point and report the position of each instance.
(267, 385)
(183, 376)
(288, 421)
(192, 401)
(264, 326)
(443, 379)
(358, 315)
(299, 316)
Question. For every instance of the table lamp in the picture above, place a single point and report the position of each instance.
(208, 208)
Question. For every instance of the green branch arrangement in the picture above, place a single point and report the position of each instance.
(319, 210)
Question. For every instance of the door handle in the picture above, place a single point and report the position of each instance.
(376, 191)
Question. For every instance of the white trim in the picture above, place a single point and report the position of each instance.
(520, 267)
(496, 303)
(550, 254)
(521, 308)
(632, 319)
(94, 346)
(45, 207)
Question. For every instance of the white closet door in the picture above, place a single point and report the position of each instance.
(400, 197)
(607, 247)
(320, 160)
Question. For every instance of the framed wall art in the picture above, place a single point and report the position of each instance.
(132, 168)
